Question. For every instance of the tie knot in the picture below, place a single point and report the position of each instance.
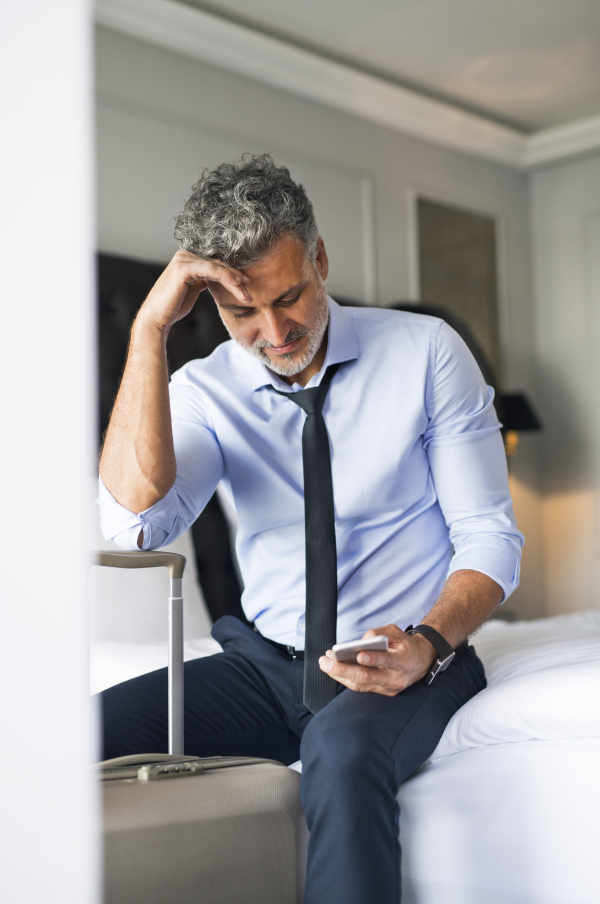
(311, 400)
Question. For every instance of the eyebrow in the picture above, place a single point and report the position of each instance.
(291, 291)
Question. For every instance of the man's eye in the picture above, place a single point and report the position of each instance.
(242, 314)
(287, 301)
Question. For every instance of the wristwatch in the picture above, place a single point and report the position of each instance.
(445, 652)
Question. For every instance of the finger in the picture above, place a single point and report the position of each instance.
(193, 291)
(343, 671)
(189, 259)
(392, 632)
(232, 281)
(364, 680)
(198, 268)
(345, 682)
(238, 290)
(333, 667)
(377, 659)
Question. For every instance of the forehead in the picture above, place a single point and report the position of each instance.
(282, 266)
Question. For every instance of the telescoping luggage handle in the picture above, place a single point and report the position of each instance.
(176, 565)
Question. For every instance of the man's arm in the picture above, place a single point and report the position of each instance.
(468, 468)
(138, 459)
(466, 602)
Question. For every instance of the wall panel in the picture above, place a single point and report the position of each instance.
(566, 229)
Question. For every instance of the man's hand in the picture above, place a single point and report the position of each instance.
(178, 287)
(467, 600)
(409, 658)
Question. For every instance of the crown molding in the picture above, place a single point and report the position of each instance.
(210, 39)
(562, 142)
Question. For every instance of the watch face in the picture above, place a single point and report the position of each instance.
(444, 663)
(439, 666)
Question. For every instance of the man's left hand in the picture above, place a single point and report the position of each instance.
(409, 658)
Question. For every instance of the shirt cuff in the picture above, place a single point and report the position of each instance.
(496, 558)
(123, 526)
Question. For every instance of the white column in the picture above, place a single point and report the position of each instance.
(48, 803)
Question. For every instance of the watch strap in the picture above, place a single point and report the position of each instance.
(441, 645)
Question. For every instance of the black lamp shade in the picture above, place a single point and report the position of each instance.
(515, 412)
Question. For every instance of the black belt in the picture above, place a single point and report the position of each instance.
(292, 652)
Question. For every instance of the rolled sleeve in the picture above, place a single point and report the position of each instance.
(468, 466)
(159, 522)
(199, 469)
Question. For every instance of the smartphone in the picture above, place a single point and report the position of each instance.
(346, 652)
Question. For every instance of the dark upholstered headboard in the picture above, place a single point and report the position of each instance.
(123, 284)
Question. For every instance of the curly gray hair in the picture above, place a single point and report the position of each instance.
(238, 211)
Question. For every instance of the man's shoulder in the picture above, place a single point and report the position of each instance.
(391, 326)
(392, 317)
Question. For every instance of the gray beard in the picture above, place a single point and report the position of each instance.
(286, 365)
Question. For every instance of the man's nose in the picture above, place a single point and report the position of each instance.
(276, 328)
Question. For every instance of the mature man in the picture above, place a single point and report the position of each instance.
(396, 417)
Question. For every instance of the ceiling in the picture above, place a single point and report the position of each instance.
(531, 64)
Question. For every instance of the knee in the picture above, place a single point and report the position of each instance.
(337, 743)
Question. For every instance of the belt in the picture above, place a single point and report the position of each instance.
(292, 652)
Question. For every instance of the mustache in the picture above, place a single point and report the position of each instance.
(295, 333)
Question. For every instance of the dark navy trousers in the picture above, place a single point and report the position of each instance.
(247, 701)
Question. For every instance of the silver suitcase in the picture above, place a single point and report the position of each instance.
(180, 829)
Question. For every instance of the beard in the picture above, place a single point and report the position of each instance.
(288, 365)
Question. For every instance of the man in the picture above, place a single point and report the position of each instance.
(424, 528)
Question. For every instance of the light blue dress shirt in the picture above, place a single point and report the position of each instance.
(419, 472)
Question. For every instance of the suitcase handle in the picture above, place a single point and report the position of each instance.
(150, 559)
(176, 565)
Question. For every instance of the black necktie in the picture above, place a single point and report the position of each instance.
(321, 554)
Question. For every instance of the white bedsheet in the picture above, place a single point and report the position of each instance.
(113, 662)
(508, 824)
(506, 811)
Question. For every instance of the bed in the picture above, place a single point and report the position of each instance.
(505, 811)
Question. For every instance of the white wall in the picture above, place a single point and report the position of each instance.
(566, 227)
(49, 847)
(162, 117)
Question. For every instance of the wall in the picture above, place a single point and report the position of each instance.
(162, 117)
(566, 228)
(49, 799)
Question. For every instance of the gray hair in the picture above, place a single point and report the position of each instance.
(238, 211)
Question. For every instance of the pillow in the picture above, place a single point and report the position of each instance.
(548, 704)
(543, 683)
(518, 648)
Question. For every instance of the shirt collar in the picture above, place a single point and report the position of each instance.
(342, 345)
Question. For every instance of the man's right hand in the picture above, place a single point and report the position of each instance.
(178, 287)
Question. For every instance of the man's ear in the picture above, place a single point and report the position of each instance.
(321, 260)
